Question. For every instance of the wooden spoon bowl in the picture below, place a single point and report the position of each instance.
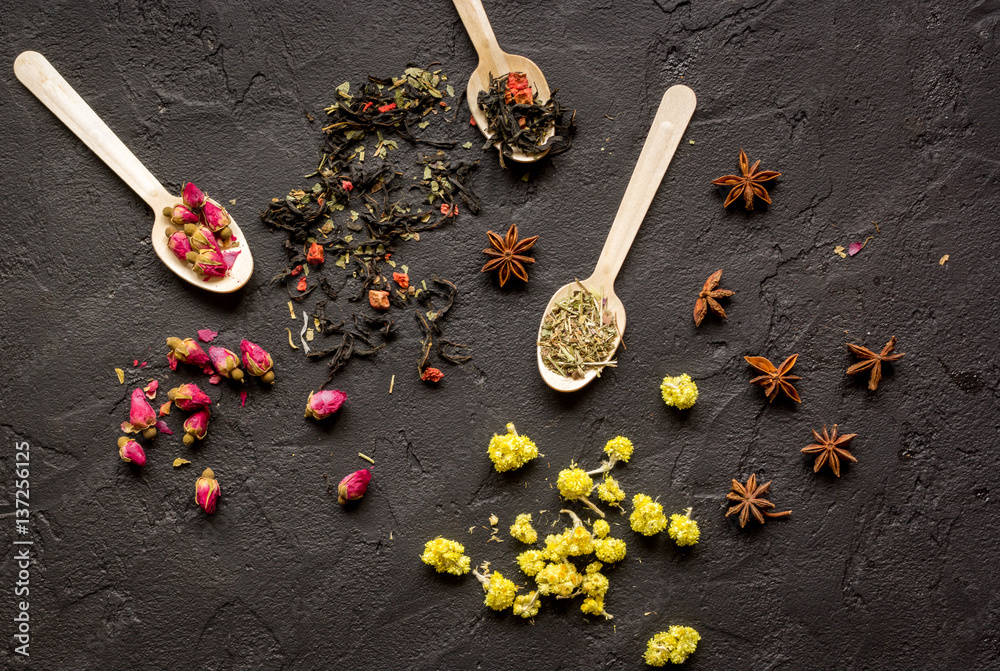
(38, 75)
(676, 108)
(494, 60)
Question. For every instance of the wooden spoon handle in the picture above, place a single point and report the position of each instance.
(671, 119)
(477, 24)
(41, 78)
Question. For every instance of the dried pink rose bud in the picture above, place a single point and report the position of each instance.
(210, 263)
(354, 486)
(186, 351)
(226, 362)
(182, 214)
(216, 218)
(204, 239)
(131, 451)
(193, 196)
(179, 244)
(196, 426)
(207, 491)
(257, 361)
(321, 404)
(189, 397)
(141, 416)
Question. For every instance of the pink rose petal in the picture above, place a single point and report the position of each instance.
(172, 360)
(162, 427)
(214, 379)
(854, 248)
(229, 256)
(151, 388)
(243, 398)
(207, 335)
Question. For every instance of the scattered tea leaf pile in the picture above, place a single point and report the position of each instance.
(369, 194)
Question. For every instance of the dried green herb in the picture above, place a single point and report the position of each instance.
(518, 121)
(578, 334)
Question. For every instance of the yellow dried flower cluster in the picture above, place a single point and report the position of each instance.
(527, 605)
(558, 579)
(673, 645)
(511, 451)
(446, 556)
(610, 492)
(683, 529)
(531, 562)
(570, 543)
(594, 586)
(522, 530)
(552, 567)
(609, 550)
(554, 573)
(647, 516)
(619, 449)
(574, 483)
(680, 392)
(500, 592)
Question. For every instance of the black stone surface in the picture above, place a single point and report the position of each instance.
(874, 112)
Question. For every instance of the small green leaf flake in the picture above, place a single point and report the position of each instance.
(450, 90)
(467, 145)
(427, 172)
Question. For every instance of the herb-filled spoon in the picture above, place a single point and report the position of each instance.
(676, 108)
(494, 60)
(38, 75)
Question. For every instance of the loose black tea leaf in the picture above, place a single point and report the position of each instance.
(430, 324)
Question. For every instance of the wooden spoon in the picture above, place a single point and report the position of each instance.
(671, 119)
(38, 75)
(492, 59)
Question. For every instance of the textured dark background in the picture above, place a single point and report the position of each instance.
(874, 112)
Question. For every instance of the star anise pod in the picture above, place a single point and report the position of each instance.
(775, 379)
(870, 359)
(751, 502)
(748, 184)
(707, 298)
(830, 449)
(508, 254)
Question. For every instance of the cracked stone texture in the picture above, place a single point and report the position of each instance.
(874, 112)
